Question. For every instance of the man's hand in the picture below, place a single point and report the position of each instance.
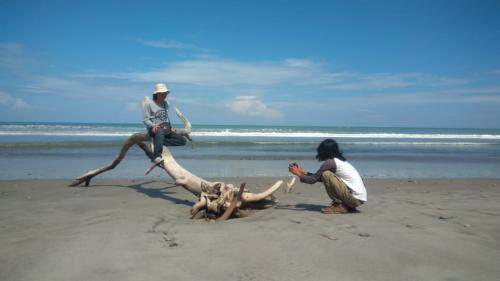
(155, 128)
(295, 169)
(158, 126)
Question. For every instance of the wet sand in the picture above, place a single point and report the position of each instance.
(140, 230)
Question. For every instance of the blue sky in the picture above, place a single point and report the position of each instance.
(329, 63)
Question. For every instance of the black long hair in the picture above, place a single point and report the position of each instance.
(329, 149)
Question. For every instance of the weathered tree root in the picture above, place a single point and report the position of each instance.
(216, 199)
(232, 206)
(137, 138)
(206, 209)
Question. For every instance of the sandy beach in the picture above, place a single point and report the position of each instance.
(140, 230)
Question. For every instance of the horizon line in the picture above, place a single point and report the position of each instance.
(253, 125)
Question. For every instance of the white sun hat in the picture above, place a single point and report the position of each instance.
(161, 88)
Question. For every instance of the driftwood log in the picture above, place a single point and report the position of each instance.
(216, 200)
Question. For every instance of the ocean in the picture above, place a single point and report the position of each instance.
(65, 151)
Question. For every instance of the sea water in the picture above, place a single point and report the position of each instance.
(57, 150)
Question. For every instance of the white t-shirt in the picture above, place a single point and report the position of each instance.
(350, 176)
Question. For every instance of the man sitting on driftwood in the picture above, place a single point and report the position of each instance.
(158, 124)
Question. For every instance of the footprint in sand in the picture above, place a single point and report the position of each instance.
(170, 241)
(446, 217)
(250, 275)
(156, 224)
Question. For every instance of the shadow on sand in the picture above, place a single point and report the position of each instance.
(154, 192)
(301, 207)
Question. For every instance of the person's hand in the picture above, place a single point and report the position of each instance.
(155, 128)
(173, 130)
(295, 169)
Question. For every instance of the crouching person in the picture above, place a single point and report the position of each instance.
(342, 181)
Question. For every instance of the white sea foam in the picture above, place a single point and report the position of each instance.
(345, 135)
(250, 134)
(55, 134)
(110, 130)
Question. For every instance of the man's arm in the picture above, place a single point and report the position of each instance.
(328, 165)
(148, 117)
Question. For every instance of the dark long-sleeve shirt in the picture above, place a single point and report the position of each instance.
(328, 165)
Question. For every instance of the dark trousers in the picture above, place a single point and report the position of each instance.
(163, 137)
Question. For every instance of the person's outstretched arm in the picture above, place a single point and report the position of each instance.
(311, 178)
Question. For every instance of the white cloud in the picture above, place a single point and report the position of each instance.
(459, 96)
(171, 44)
(214, 72)
(382, 81)
(132, 106)
(378, 81)
(20, 104)
(187, 101)
(220, 72)
(86, 88)
(214, 77)
(9, 101)
(252, 106)
(485, 96)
